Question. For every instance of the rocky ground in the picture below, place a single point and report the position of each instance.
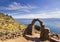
(19, 39)
(28, 38)
(33, 38)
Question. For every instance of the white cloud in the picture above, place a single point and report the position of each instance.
(19, 7)
(40, 15)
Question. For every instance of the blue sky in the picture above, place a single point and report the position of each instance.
(31, 8)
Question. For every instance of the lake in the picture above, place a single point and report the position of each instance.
(52, 23)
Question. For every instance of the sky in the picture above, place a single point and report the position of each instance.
(31, 8)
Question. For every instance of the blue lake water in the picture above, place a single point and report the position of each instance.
(52, 23)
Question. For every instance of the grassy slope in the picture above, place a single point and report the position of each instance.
(7, 23)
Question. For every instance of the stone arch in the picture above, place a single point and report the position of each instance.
(44, 31)
(30, 29)
(40, 22)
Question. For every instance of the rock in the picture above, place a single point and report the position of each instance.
(30, 29)
(44, 34)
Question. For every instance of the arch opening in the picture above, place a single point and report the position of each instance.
(37, 28)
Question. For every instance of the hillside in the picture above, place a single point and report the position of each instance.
(9, 28)
(8, 23)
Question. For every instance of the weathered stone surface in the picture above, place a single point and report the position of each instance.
(54, 37)
(30, 29)
(44, 34)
